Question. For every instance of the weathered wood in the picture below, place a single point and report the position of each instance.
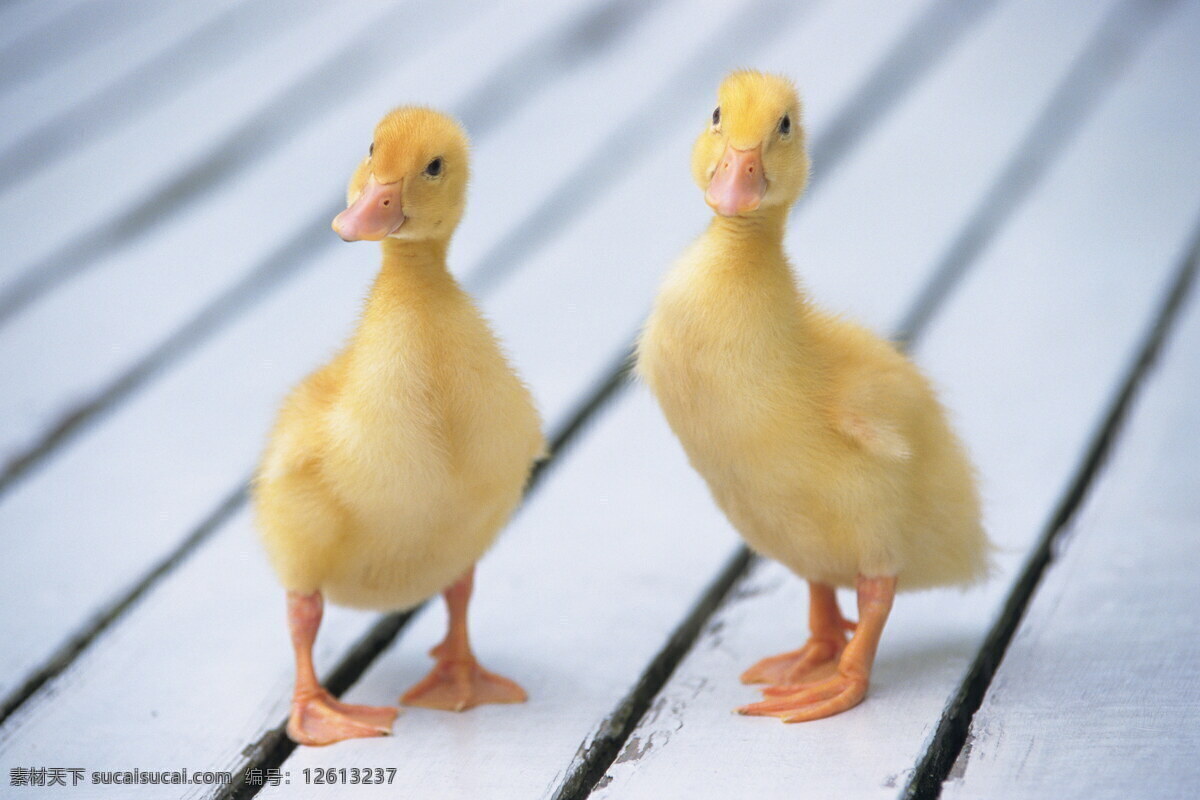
(1099, 692)
(1028, 354)
(613, 258)
(255, 703)
(133, 299)
(135, 188)
(67, 101)
(609, 496)
(126, 487)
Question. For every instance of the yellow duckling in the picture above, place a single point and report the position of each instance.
(392, 469)
(824, 446)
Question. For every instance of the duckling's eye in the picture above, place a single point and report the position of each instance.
(785, 125)
(717, 115)
(371, 150)
(434, 167)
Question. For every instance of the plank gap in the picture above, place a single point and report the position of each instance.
(924, 43)
(528, 73)
(951, 733)
(928, 39)
(300, 104)
(281, 265)
(1094, 72)
(70, 650)
(274, 747)
(594, 758)
(586, 37)
(631, 142)
(225, 37)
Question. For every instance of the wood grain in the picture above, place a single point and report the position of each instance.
(255, 700)
(128, 491)
(1099, 692)
(1028, 355)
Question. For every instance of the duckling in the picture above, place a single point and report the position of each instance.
(824, 446)
(391, 469)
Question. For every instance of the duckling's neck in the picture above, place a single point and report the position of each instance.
(743, 278)
(762, 231)
(747, 255)
(413, 275)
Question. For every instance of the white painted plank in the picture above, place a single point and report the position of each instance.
(264, 365)
(212, 416)
(129, 302)
(1099, 692)
(117, 311)
(617, 256)
(1028, 354)
(602, 505)
(72, 81)
(97, 174)
(151, 430)
(23, 25)
(594, 598)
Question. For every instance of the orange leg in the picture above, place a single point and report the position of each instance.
(317, 717)
(818, 657)
(848, 686)
(457, 682)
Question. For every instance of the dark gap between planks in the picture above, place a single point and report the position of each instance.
(1094, 71)
(495, 100)
(70, 650)
(387, 630)
(1062, 116)
(930, 38)
(302, 102)
(164, 74)
(908, 60)
(1127, 26)
(589, 33)
(953, 729)
(632, 141)
(274, 747)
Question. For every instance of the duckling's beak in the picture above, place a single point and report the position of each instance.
(374, 215)
(738, 185)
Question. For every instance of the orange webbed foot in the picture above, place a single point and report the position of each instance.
(319, 719)
(817, 659)
(810, 701)
(459, 684)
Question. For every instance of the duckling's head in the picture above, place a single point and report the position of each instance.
(413, 182)
(752, 156)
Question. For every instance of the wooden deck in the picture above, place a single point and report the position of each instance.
(1010, 188)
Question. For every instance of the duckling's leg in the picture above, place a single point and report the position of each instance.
(457, 682)
(818, 657)
(317, 717)
(848, 686)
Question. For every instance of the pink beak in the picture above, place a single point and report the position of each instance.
(374, 215)
(738, 185)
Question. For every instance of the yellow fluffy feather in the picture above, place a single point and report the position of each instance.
(391, 470)
(824, 446)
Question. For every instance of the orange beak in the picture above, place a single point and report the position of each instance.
(739, 184)
(374, 215)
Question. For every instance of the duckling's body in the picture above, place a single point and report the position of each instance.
(393, 468)
(822, 443)
(772, 400)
